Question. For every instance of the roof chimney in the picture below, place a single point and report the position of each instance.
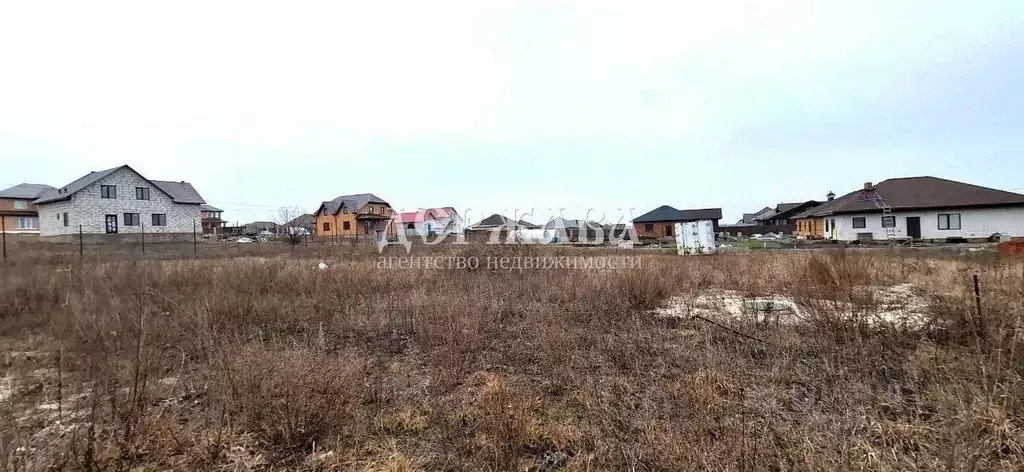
(868, 186)
(831, 196)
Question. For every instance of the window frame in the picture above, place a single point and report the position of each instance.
(130, 219)
(949, 222)
(327, 226)
(893, 219)
(863, 222)
(158, 219)
(648, 227)
(144, 191)
(64, 216)
(108, 191)
(345, 226)
(21, 205)
(32, 220)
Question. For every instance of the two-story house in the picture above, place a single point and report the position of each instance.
(431, 222)
(362, 214)
(210, 216)
(17, 212)
(119, 201)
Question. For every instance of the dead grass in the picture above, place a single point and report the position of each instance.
(265, 362)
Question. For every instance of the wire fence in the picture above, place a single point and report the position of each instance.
(142, 244)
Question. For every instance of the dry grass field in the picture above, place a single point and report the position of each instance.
(263, 361)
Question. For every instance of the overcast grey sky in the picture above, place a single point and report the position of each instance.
(494, 106)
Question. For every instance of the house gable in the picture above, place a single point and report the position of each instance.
(87, 207)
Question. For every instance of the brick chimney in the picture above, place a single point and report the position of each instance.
(868, 186)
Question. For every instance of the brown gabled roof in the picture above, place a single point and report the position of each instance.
(908, 193)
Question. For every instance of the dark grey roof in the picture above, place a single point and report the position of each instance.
(352, 202)
(206, 207)
(560, 223)
(667, 213)
(787, 210)
(74, 187)
(494, 221)
(302, 220)
(784, 207)
(750, 218)
(180, 192)
(26, 191)
(811, 212)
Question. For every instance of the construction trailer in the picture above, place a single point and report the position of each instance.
(695, 237)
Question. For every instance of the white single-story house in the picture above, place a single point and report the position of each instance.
(921, 208)
(119, 201)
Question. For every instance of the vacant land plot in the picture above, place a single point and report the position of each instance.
(274, 362)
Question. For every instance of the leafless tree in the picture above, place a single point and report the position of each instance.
(294, 230)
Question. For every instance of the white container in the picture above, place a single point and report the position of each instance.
(533, 236)
(695, 237)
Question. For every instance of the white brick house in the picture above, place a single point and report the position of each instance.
(119, 201)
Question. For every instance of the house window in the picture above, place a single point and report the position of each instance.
(888, 221)
(131, 219)
(142, 193)
(949, 221)
(860, 222)
(827, 229)
(20, 205)
(648, 228)
(27, 222)
(64, 216)
(344, 210)
(108, 191)
(411, 226)
(159, 219)
(327, 226)
(345, 226)
(668, 230)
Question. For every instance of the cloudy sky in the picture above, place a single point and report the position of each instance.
(499, 106)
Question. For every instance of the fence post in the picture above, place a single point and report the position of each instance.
(80, 246)
(977, 297)
(195, 243)
(3, 234)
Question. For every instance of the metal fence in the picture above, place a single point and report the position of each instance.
(143, 244)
